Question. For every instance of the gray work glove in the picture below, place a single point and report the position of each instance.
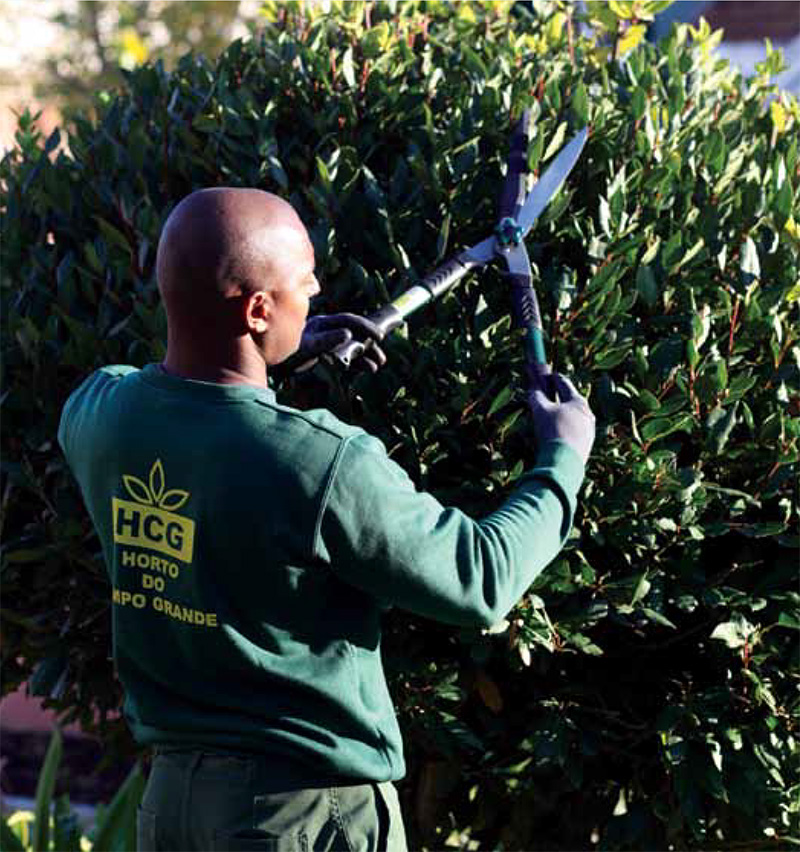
(324, 332)
(568, 418)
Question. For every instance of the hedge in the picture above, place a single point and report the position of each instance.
(643, 695)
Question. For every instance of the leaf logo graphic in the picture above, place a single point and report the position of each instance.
(154, 494)
(157, 481)
(174, 499)
(137, 489)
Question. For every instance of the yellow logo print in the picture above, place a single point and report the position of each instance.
(154, 495)
(150, 520)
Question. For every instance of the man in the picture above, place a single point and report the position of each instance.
(252, 549)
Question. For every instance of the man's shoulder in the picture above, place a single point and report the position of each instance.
(101, 375)
(319, 433)
(84, 395)
(308, 445)
(315, 420)
(110, 373)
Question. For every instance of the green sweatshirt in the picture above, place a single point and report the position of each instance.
(252, 548)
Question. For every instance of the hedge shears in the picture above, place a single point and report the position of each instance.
(517, 215)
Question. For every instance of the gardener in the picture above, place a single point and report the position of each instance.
(252, 548)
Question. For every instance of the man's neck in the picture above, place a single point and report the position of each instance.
(237, 370)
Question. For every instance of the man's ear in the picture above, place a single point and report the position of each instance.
(258, 309)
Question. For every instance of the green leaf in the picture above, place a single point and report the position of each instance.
(673, 251)
(9, 841)
(789, 619)
(749, 265)
(642, 588)
(733, 492)
(347, 68)
(52, 141)
(692, 253)
(580, 104)
(649, 400)
(720, 424)
(442, 239)
(610, 358)
(324, 175)
(277, 171)
(782, 205)
(556, 142)
(535, 151)
(117, 828)
(584, 644)
(605, 217)
(735, 633)
(64, 279)
(92, 257)
(660, 427)
(601, 14)
(639, 103)
(112, 235)
(44, 793)
(692, 355)
(712, 380)
(650, 255)
(206, 123)
(768, 529)
(646, 285)
(658, 618)
(501, 399)
(714, 150)
(739, 385)
(653, 7)
(473, 62)
(66, 827)
(722, 258)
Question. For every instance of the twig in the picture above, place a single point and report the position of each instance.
(570, 35)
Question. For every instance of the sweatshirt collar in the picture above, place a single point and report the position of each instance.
(156, 375)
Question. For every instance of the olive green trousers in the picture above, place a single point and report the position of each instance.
(203, 800)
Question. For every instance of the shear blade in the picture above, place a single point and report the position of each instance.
(513, 194)
(550, 182)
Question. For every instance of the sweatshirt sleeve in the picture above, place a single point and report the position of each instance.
(378, 533)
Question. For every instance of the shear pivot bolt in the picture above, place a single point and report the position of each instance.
(508, 232)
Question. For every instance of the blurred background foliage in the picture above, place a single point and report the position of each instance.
(98, 40)
(644, 694)
(54, 824)
(59, 54)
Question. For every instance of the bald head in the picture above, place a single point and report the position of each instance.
(235, 270)
(223, 242)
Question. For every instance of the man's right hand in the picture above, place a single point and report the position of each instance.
(568, 419)
(325, 332)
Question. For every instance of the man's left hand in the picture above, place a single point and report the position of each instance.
(325, 332)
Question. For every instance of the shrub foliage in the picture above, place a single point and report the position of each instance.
(643, 695)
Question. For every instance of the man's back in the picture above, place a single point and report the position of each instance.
(229, 631)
